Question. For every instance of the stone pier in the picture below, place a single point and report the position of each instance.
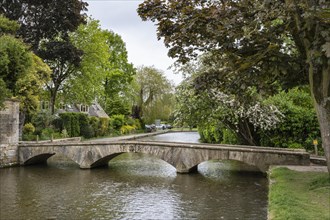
(9, 122)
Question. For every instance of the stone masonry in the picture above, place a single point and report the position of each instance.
(185, 157)
(9, 121)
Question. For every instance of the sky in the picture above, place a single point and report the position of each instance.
(140, 37)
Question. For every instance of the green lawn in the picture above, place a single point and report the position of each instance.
(299, 195)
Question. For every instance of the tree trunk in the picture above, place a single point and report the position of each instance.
(52, 102)
(320, 87)
(323, 113)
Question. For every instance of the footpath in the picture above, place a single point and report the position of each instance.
(311, 168)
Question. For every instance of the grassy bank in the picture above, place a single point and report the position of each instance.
(298, 195)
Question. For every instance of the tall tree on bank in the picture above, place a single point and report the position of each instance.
(44, 19)
(263, 41)
(45, 25)
(22, 73)
(120, 75)
(86, 81)
(150, 87)
(104, 70)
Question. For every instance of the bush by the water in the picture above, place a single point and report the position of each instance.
(298, 128)
(44, 126)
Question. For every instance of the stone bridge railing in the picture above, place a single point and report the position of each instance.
(184, 157)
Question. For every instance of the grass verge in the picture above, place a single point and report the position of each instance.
(298, 195)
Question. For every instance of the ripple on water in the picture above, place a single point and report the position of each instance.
(134, 186)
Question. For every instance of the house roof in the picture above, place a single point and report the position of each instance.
(96, 110)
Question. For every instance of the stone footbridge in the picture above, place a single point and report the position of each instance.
(184, 157)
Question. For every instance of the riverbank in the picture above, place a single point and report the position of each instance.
(297, 193)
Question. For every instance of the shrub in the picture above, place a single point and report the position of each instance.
(47, 134)
(127, 129)
(29, 137)
(210, 133)
(58, 124)
(117, 121)
(137, 124)
(229, 137)
(299, 126)
(71, 123)
(64, 133)
(86, 129)
(41, 121)
(28, 128)
(103, 127)
(94, 124)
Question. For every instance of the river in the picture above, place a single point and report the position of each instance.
(134, 186)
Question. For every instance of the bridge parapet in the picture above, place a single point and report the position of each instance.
(184, 157)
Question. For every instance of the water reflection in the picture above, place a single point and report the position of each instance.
(134, 186)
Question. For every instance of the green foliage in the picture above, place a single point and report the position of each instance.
(7, 26)
(262, 44)
(117, 105)
(299, 126)
(71, 123)
(15, 61)
(41, 121)
(22, 74)
(127, 129)
(117, 121)
(210, 133)
(30, 86)
(213, 132)
(153, 95)
(44, 19)
(134, 123)
(229, 137)
(4, 93)
(103, 126)
(86, 80)
(28, 128)
(94, 123)
(121, 72)
(48, 134)
(186, 105)
(86, 129)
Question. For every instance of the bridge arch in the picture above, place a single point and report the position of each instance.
(38, 159)
(36, 155)
(104, 160)
(233, 165)
(194, 157)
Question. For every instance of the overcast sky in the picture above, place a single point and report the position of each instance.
(140, 36)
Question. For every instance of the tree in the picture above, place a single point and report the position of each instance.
(46, 25)
(211, 106)
(119, 77)
(44, 19)
(186, 105)
(262, 41)
(299, 127)
(103, 70)
(22, 73)
(85, 83)
(150, 86)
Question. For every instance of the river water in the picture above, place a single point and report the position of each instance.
(134, 186)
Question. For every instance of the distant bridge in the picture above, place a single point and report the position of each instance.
(185, 157)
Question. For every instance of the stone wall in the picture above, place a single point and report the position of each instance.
(9, 133)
